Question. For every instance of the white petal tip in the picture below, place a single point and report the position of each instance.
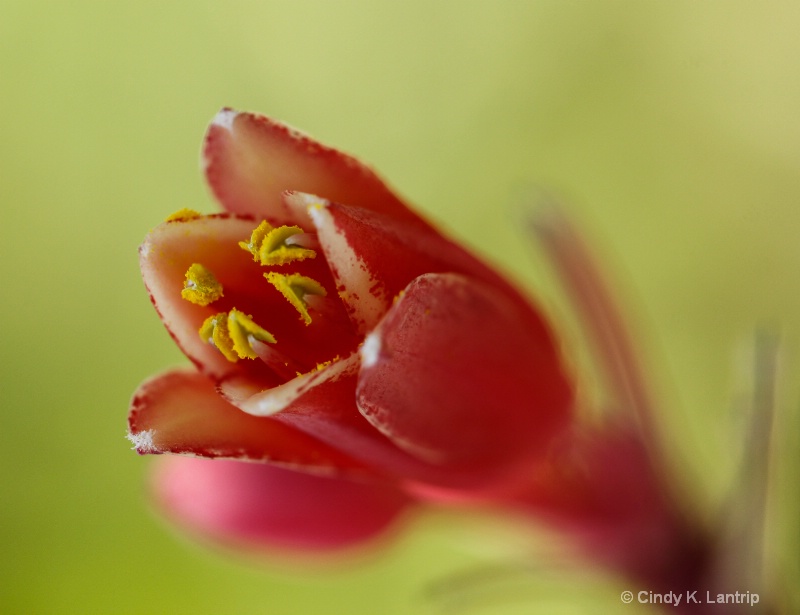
(143, 441)
(224, 119)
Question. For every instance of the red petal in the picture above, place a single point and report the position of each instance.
(171, 248)
(453, 375)
(181, 412)
(374, 257)
(258, 505)
(250, 160)
(323, 406)
(247, 396)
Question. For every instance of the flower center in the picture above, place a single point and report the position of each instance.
(236, 334)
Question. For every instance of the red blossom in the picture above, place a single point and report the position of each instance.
(363, 344)
(361, 362)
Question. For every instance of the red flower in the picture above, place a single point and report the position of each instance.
(337, 333)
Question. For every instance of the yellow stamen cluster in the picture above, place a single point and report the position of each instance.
(232, 333)
(269, 246)
(201, 286)
(295, 287)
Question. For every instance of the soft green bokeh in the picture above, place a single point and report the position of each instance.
(674, 127)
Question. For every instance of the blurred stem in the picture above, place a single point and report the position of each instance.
(740, 556)
(600, 316)
(733, 560)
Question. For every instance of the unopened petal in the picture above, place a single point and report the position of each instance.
(454, 376)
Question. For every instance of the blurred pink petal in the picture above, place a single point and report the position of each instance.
(258, 505)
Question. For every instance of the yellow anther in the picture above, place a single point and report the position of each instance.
(269, 245)
(256, 239)
(183, 214)
(232, 333)
(243, 330)
(201, 286)
(215, 331)
(295, 287)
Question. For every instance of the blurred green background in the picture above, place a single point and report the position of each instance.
(673, 128)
